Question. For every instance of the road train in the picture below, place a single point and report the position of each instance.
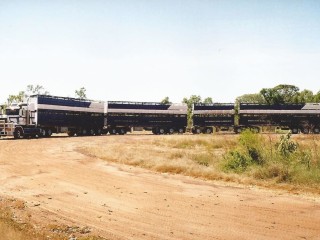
(42, 115)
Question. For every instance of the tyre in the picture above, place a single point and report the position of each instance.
(180, 131)
(122, 131)
(316, 130)
(305, 130)
(198, 131)
(84, 132)
(295, 130)
(18, 133)
(239, 130)
(171, 131)
(113, 131)
(208, 131)
(49, 133)
(98, 132)
(71, 133)
(162, 131)
(42, 133)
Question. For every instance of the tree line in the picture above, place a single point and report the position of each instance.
(281, 94)
(38, 89)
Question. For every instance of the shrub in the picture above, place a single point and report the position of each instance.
(236, 161)
(249, 152)
(286, 146)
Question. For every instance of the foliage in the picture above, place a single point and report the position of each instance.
(248, 152)
(208, 100)
(16, 98)
(251, 98)
(305, 96)
(165, 101)
(31, 89)
(283, 94)
(286, 146)
(81, 93)
(316, 97)
(280, 94)
(36, 89)
(283, 161)
(192, 100)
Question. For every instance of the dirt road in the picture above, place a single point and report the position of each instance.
(62, 186)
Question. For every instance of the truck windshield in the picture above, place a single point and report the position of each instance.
(12, 111)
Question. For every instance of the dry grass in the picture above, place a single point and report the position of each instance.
(190, 155)
(199, 156)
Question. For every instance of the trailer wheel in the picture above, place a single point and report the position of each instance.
(208, 131)
(42, 132)
(305, 130)
(98, 132)
(316, 130)
(122, 131)
(18, 133)
(238, 130)
(295, 130)
(180, 131)
(113, 131)
(92, 132)
(198, 131)
(71, 133)
(162, 131)
(171, 131)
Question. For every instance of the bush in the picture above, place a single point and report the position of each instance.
(285, 162)
(249, 152)
(237, 161)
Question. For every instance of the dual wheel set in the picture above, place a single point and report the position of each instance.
(114, 131)
(85, 132)
(163, 130)
(197, 130)
(20, 132)
(305, 130)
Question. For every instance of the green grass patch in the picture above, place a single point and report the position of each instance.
(282, 160)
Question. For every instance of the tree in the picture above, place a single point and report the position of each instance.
(208, 100)
(306, 96)
(16, 98)
(190, 101)
(280, 94)
(316, 97)
(36, 89)
(31, 89)
(81, 93)
(251, 98)
(165, 101)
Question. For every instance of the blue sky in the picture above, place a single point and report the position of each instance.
(145, 50)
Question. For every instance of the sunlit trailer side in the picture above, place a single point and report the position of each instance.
(209, 117)
(121, 116)
(303, 118)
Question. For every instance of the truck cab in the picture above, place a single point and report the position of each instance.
(16, 121)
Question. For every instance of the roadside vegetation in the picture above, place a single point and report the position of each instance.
(273, 160)
(281, 160)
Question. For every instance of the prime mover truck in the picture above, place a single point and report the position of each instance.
(42, 115)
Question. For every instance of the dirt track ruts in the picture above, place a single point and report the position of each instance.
(123, 202)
